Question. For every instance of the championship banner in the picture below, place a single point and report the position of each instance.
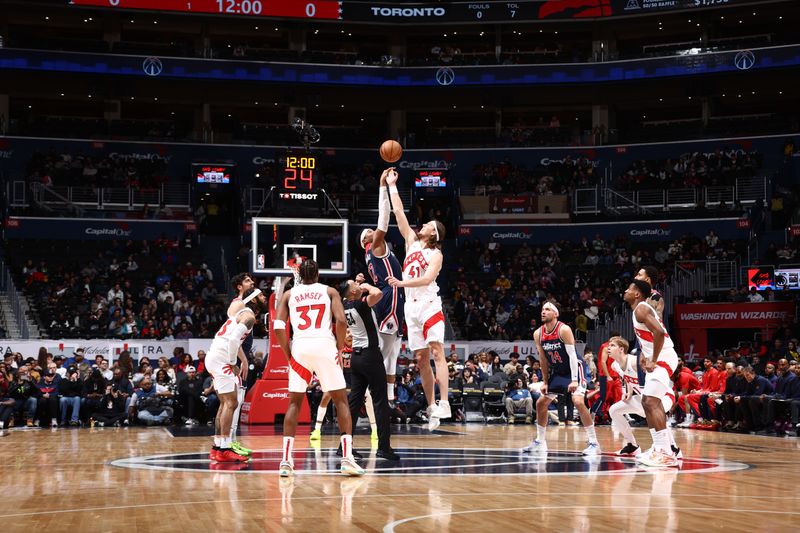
(733, 316)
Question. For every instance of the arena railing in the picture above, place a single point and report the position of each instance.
(176, 195)
(597, 199)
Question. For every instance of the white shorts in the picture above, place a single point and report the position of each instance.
(658, 383)
(633, 406)
(425, 323)
(221, 368)
(315, 356)
(390, 348)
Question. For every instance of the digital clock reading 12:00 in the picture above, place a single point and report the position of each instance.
(299, 173)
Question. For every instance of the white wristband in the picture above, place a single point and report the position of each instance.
(393, 189)
(279, 324)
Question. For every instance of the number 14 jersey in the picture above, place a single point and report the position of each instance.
(310, 312)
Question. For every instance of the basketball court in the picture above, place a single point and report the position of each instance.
(459, 478)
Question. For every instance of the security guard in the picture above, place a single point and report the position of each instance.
(366, 361)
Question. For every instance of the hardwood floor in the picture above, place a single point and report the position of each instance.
(464, 478)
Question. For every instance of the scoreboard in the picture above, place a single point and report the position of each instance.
(490, 11)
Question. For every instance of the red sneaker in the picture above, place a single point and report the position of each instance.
(229, 456)
(213, 454)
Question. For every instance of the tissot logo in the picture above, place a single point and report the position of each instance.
(408, 12)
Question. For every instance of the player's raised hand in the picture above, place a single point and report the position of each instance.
(384, 175)
(365, 287)
(394, 282)
(360, 278)
(391, 176)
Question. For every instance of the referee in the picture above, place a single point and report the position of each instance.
(366, 361)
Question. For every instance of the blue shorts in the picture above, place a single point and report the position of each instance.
(390, 310)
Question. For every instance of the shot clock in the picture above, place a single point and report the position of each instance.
(299, 178)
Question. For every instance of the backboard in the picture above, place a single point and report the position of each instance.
(277, 240)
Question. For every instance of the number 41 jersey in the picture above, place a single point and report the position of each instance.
(310, 312)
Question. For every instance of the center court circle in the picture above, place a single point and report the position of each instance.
(426, 462)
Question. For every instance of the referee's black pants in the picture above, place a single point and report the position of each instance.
(367, 370)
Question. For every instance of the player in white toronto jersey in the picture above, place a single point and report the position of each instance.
(221, 364)
(660, 361)
(242, 283)
(624, 364)
(423, 308)
(308, 307)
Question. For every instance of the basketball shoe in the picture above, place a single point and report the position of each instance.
(229, 456)
(286, 469)
(316, 435)
(630, 450)
(350, 468)
(237, 447)
(658, 459)
(536, 447)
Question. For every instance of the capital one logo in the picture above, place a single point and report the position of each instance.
(152, 66)
(445, 76)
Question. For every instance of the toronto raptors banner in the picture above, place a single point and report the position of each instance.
(731, 316)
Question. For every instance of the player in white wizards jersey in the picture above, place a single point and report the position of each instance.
(660, 361)
(423, 308)
(221, 364)
(309, 307)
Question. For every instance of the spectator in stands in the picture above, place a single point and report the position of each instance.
(190, 392)
(94, 388)
(209, 397)
(518, 397)
(149, 406)
(25, 395)
(410, 398)
(70, 391)
(757, 391)
(510, 368)
(691, 401)
(112, 410)
(48, 399)
(6, 401)
(164, 364)
(122, 386)
(783, 387)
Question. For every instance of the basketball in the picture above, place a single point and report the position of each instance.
(391, 151)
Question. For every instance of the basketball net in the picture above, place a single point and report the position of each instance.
(279, 285)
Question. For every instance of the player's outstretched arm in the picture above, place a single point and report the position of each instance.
(399, 211)
(279, 325)
(338, 315)
(384, 211)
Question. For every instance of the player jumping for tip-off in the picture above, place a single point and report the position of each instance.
(423, 309)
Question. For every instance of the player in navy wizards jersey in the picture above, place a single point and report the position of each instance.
(562, 373)
(382, 263)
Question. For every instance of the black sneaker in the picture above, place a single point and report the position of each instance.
(356, 455)
(388, 454)
(630, 450)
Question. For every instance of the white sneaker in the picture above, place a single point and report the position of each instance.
(350, 468)
(443, 410)
(286, 469)
(53, 423)
(688, 422)
(659, 459)
(592, 449)
(671, 421)
(645, 454)
(433, 423)
(536, 447)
